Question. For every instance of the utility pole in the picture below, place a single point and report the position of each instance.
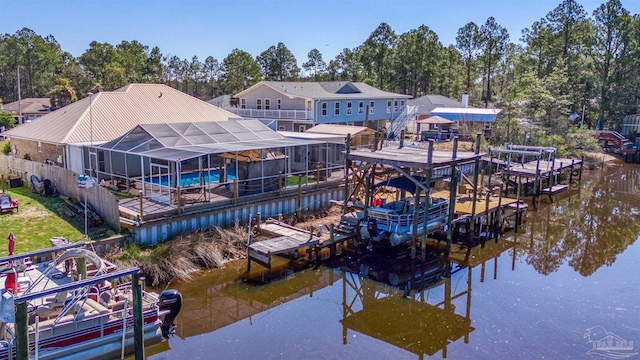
(20, 120)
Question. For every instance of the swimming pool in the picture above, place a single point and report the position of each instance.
(191, 179)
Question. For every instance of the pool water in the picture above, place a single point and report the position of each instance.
(191, 179)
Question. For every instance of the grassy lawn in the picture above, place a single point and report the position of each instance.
(293, 180)
(39, 219)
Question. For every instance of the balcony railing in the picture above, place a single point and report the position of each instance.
(272, 114)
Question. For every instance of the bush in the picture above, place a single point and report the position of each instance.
(6, 148)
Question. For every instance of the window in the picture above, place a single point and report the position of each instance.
(349, 107)
(302, 128)
(372, 108)
(243, 103)
(281, 128)
(308, 105)
(39, 147)
(323, 106)
(361, 107)
(401, 102)
(267, 104)
(279, 104)
(259, 104)
(336, 111)
(389, 106)
(395, 106)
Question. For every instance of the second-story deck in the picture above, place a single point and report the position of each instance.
(272, 114)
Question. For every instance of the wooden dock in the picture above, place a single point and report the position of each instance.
(484, 204)
(288, 240)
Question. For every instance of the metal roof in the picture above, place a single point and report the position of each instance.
(467, 114)
(428, 103)
(110, 114)
(325, 90)
(183, 141)
(343, 130)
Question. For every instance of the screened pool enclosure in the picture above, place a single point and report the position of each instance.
(214, 160)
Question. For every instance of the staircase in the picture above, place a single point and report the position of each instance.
(348, 225)
(612, 137)
(401, 121)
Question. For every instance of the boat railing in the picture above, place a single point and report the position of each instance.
(394, 221)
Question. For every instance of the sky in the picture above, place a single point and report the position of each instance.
(214, 28)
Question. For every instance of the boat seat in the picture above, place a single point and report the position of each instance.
(56, 301)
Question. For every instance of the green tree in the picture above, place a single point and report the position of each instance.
(376, 52)
(315, 63)
(278, 63)
(96, 60)
(7, 120)
(212, 71)
(346, 66)
(239, 71)
(494, 39)
(468, 42)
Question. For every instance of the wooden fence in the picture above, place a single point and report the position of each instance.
(102, 201)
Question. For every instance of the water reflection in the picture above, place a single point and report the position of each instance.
(589, 229)
(421, 324)
(331, 313)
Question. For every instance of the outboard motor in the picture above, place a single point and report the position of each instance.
(170, 300)
(372, 227)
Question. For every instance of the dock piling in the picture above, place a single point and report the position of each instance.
(138, 336)
(22, 331)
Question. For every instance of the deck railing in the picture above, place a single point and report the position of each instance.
(272, 114)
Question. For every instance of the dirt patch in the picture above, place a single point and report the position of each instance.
(316, 218)
(30, 213)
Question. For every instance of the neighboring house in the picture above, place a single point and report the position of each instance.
(31, 109)
(63, 135)
(297, 106)
(425, 104)
(222, 101)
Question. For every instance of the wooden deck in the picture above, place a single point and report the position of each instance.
(555, 189)
(289, 239)
(545, 167)
(464, 203)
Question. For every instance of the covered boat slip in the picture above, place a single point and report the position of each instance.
(182, 164)
(421, 167)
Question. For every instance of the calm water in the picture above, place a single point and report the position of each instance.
(575, 266)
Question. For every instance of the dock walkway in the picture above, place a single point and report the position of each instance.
(289, 239)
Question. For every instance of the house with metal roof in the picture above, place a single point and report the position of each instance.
(297, 106)
(62, 135)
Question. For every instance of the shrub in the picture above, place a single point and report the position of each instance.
(6, 148)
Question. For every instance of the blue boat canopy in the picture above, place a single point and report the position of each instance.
(402, 183)
(467, 114)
